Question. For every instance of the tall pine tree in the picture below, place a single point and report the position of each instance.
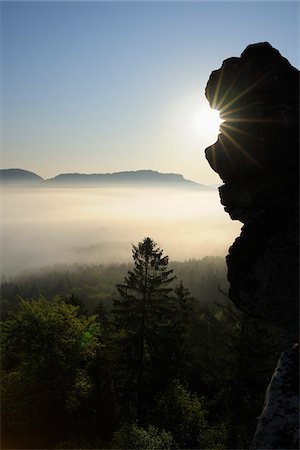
(182, 311)
(143, 319)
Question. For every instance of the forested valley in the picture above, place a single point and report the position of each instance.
(147, 355)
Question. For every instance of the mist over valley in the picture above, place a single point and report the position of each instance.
(42, 226)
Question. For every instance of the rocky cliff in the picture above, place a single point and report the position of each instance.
(257, 157)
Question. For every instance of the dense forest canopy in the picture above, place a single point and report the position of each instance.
(94, 283)
(143, 355)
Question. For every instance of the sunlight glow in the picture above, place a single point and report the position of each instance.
(206, 122)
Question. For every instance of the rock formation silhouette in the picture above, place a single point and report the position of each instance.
(257, 157)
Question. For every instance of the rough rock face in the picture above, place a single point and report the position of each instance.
(257, 157)
(278, 425)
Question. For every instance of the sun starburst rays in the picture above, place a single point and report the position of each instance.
(227, 153)
(220, 103)
(229, 127)
(241, 148)
(235, 110)
(244, 92)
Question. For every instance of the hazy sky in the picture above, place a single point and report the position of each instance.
(110, 86)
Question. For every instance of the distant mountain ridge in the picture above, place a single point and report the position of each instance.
(127, 177)
(139, 177)
(19, 176)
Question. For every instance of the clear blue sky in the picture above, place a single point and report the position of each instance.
(110, 86)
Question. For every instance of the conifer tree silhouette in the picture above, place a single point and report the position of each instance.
(143, 313)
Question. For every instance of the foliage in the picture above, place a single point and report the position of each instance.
(215, 437)
(70, 378)
(45, 355)
(143, 315)
(181, 320)
(91, 284)
(132, 436)
(181, 413)
(250, 353)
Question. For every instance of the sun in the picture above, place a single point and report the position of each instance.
(206, 122)
(195, 121)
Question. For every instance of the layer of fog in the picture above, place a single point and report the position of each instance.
(47, 226)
